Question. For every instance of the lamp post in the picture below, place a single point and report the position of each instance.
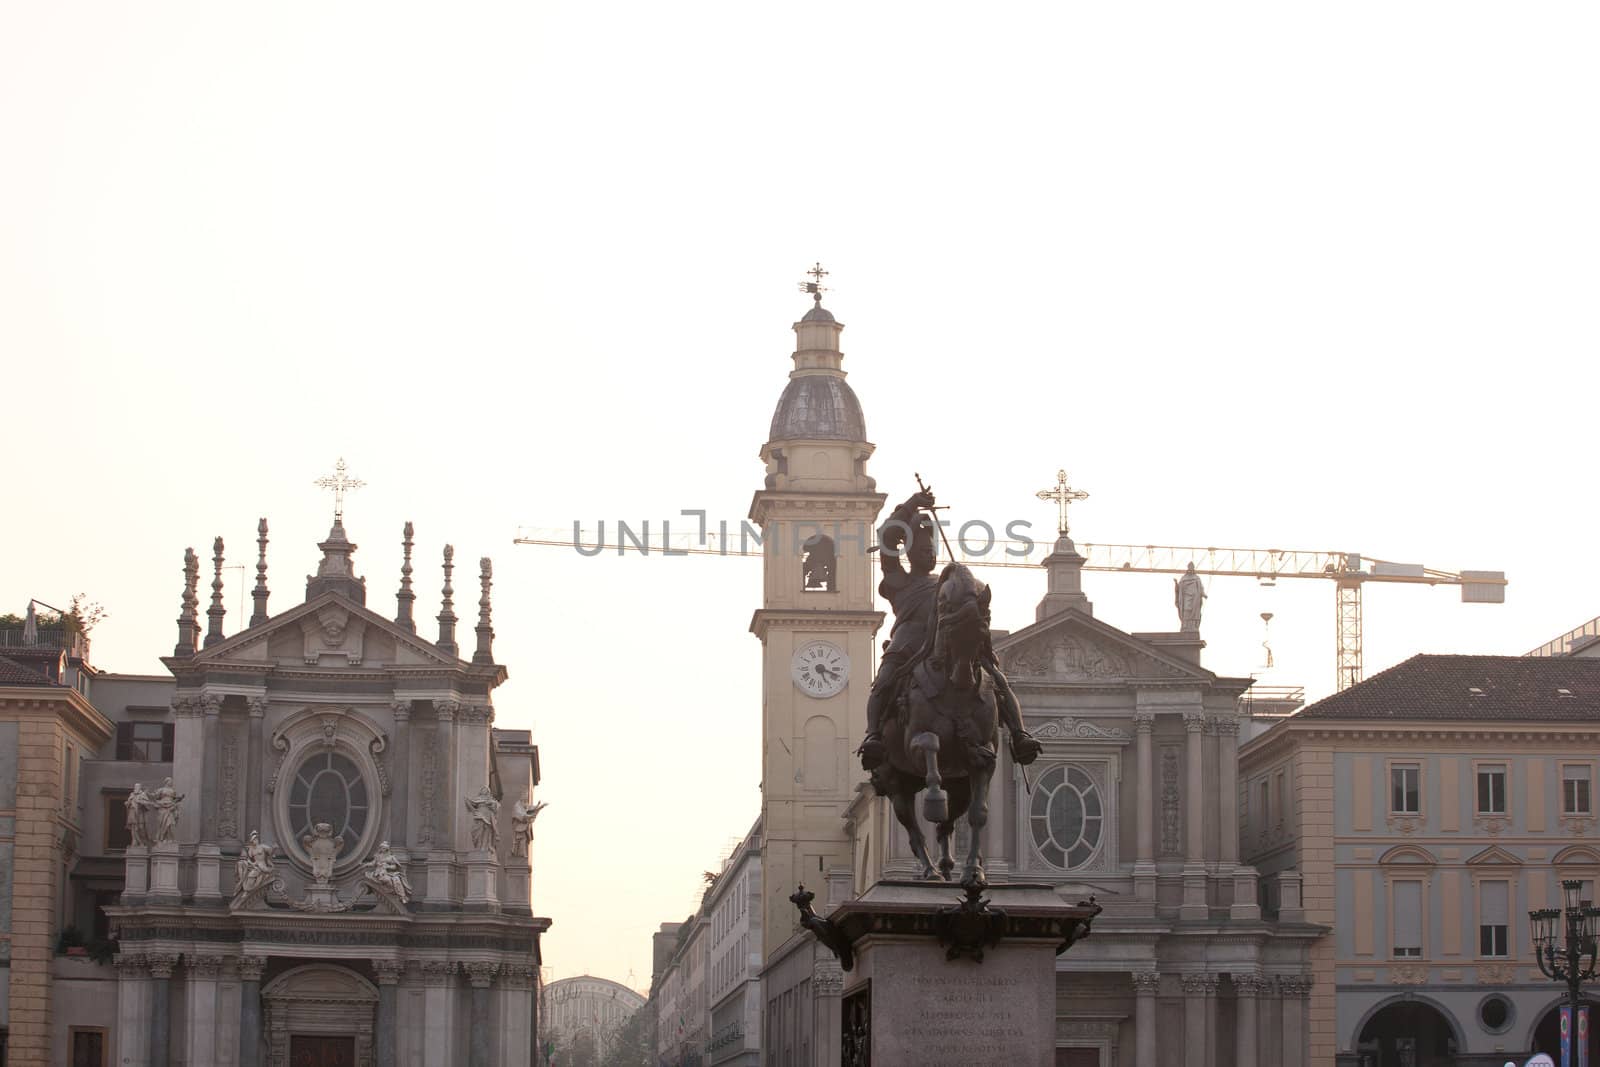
(1564, 960)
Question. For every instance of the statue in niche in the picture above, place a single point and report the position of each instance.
(323, 849)
(138, 807)
(1187, 594)
(485, 809)
(254, 872)
(165, 801)
(522, 817)
(385, 874)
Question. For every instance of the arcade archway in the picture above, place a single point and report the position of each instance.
(1547, 1032)
(1408, 1033)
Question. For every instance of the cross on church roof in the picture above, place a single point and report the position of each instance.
(815, 287)
(1063, 494)
(340, 483)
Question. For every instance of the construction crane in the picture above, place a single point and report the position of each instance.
(1349, 571)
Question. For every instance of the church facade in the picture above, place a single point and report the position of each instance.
(309, 843)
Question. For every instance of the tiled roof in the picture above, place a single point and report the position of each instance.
(1472, 688)
(14, 673)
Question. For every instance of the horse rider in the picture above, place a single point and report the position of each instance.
(913, 594)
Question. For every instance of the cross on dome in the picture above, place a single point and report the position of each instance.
(1063, 494)
(341, 484)
(815, 287)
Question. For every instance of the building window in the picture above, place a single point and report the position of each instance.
(1495, 1014)
(148, 742)
(88, 1048)
(1492, 789)
(1280, 804)
(1067, 817)
(818, 562)
(1407, 920)
(328, 787)
(118, 836)
(1494, 917)
(1266, 803)
(1405, 789)
(1575, 789)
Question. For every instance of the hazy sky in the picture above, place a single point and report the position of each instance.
(1276, 275)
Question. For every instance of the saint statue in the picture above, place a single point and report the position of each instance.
(1187, 593)
(254, 872)
(485, 809)
(383, 870)
(138, 806)
(323, 848)
(522, 818)
(166, 800)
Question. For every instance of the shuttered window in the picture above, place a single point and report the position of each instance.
(1408, 919)
(146, 742)
(1575, 786)
(1494, 918)
(1492, 790)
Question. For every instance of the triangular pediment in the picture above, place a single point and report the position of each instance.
(329, 630)
(1073, 647)
(1494, 856)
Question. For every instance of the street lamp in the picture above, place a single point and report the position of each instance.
(1564, 960)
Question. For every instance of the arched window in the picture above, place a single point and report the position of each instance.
(818, 563)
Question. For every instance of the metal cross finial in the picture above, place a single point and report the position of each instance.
(1063, 494)
(815, 286)
(341, 484)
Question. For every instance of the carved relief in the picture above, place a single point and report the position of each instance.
(1399, 974)
(1493, 826)
(1071, 728)
(827, 976)
(228, 808)
(1404, 824)
(377, 746)
(1497, 974)
(430, 762)
(1171, 821)
(333, 631)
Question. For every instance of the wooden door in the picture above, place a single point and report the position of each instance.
(1077, 1057)
(309, 1051)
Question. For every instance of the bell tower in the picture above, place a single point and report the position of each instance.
(817, 621)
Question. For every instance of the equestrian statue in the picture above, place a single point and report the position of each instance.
(937, 702)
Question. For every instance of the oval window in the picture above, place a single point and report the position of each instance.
(1066, 817)
(328, 787)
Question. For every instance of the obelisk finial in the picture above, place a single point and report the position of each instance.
(188, 628)
(259, 593)
(216, 611)
(405, 598)
(485, 650)
(447, 615)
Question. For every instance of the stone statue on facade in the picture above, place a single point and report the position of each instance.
(522, 817)
(254, 872)
(323, 848)
(384, 873)
(485, 809)
(165, 801)
(1187, 594)
(138, 807)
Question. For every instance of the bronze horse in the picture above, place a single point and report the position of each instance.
(946, 735)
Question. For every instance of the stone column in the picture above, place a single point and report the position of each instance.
(250, 971)
(438, 1035)
(444, 836)
(1146, 984)
(387, 1038)
(162, 965)
(210, 736)
(199, 1037)
(254, 757)
(1227, 790)
(1144, 866)
(188, 759)
(513, 1030)
(400, 775)
(1195, 1003)
(481, 975)
(1194, 818)
(1293, 989)
(133, 1011)
(1245, 989)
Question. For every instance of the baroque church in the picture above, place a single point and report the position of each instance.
(1135, 799)
(310, 842)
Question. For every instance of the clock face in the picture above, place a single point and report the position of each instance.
(820, 669)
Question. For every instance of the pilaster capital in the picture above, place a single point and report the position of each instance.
(1199, 984)
(1250, 984)
(518, 976)
(1146, 983)
(402, 710)
(132, 965)
(258, 707)
(1194, 722)
(211, 704)
(162, 964)
(389, 972)
(251, 968)
(481, 973)
(1144, 721)
(1226, 725)
(205, 966)
(480, 713)
(438, 972)
(447, 709)
(185, 707)
(1294, 985)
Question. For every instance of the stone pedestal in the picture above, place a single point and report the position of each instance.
(483, 880)
(135, 874)
(164, 872)
(322, 897)
(1245, 906)
(519, 888)
(916, 1006)
(208, 875)
(440, 865)
(1194, 907)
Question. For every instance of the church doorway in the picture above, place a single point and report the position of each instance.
(1407, 1033)
(1547, 1035)
(1077, 1057)
(318, 1050)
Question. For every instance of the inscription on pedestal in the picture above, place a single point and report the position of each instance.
(965, 1018)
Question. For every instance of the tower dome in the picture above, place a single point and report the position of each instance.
(818, 404)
